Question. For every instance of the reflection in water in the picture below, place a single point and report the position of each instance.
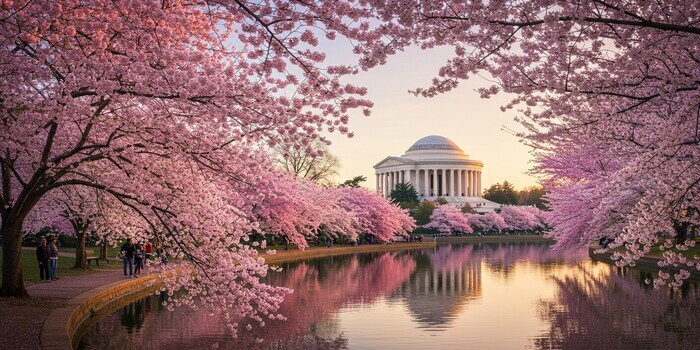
(497, 296)
(438, 289)
(600, 309)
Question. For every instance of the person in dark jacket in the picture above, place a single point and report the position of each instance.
(127, 255)
(43, 255)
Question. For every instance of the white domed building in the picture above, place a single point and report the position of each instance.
(436, 167)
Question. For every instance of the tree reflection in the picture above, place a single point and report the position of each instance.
(605, 308)
(321, 288)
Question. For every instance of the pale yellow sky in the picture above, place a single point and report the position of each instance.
(399, 119)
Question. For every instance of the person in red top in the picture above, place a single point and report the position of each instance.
(149, 251)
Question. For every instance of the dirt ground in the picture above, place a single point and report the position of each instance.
(21, 320)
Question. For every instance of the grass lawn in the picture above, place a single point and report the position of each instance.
(92, 251)
(30, 267)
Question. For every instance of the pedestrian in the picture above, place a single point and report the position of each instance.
(163, 257)
(127, 254)
(53, 250)
(138, 259)
(43, 255)
(148, 249)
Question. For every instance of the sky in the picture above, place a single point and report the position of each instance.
(399, 119)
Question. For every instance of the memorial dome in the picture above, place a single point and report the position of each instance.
(434, 142)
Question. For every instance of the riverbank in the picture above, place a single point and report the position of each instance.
(492, 239)
(285, 256)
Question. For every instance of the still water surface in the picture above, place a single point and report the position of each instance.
(473, 296)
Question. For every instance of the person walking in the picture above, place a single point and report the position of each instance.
(138, 259)
(43, 255)
(53, 250)
(127, 254)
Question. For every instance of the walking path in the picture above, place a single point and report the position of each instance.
(22, 320)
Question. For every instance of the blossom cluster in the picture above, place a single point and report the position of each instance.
(449, 219)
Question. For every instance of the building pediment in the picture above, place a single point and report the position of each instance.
(393, 161)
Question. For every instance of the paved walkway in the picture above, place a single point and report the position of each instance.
(22, 320)
(69, 287)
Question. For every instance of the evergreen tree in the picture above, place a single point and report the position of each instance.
(502, 193)
(405, 195)
(354, 182)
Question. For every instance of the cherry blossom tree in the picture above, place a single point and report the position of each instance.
(449, 220)
(167, 102)
(543, 217)
(488, 222)
(607, 92)
(69, 210)
(518, 219)
(375, 215)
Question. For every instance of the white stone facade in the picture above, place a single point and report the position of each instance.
(436, 167)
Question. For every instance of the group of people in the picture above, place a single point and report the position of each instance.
(47, 256)
(416, 238)
(135, 256)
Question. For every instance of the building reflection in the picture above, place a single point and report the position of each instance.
(449, 277)
(440, 288)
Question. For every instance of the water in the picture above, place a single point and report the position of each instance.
(476, 296)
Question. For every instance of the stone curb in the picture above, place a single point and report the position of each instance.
(291, 256)
(64, 325)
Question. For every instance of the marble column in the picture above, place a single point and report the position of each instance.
(454, 182)
(377, 181)
(459, 183)
(388, 183)
(426, 182)
(444, 182)
(479, 184)
(470, 183)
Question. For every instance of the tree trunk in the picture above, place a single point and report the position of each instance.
(103, 250)
(80, 228)
(12, 281)
(681, 235)
(80, 253)
(681, 229)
